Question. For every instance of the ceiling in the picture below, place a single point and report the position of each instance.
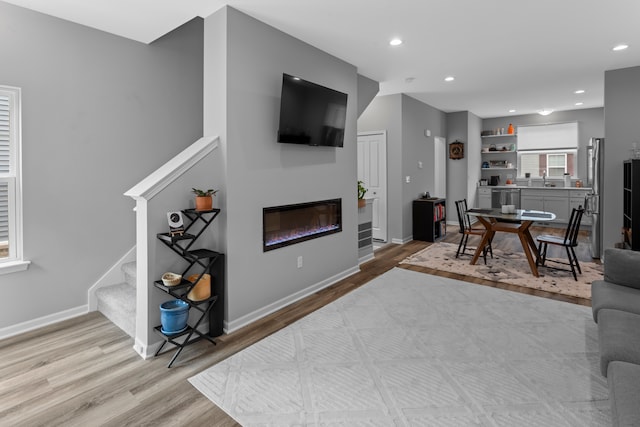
(504, 54)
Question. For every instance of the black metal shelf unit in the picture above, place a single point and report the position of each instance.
(208, 261)
(631, 203)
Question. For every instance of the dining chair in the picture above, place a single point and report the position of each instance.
(569, 241)
(466, 229)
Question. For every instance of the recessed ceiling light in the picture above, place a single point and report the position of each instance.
(395, 42)
(449, 79)
(620, 47)
(579, 103)
(512, 111)
(579, 91)
(545, 112)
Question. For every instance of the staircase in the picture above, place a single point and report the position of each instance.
(118, 302)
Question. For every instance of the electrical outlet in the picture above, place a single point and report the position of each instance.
(300, 261)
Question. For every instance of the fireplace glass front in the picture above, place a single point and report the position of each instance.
(290, 224)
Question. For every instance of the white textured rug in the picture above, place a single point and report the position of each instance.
(411, 349)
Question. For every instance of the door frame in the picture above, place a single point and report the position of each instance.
(383, 133)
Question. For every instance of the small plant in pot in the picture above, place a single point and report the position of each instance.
(361, 192)
(204, 199)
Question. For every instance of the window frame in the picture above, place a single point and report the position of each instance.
(15, 261)
(565, 151)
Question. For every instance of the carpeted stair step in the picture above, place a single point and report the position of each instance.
(118, 304)
(129, 270)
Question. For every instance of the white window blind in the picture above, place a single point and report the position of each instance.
(559, 136)
(5, 164)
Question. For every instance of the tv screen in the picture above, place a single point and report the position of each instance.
(311, 114)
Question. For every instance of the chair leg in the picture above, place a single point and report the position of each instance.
(575, 258)
(466, 239)
(573, 268)
(459, 246)
(490, 248)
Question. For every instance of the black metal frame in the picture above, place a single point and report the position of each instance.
(207, 260)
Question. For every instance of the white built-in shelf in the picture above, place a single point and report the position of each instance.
(498, 169)
(499, 152)
(499, 136)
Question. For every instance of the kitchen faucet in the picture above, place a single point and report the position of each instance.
(544, 178)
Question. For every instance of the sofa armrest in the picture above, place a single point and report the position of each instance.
(622, 267)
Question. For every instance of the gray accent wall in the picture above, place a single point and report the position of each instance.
(405, 119)
(99, 113)
(261, 172)
(622, 128)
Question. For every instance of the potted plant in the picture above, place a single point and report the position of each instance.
(361, 192)
(204, 199)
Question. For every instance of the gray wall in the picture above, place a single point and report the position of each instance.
(261, 172)
(99, 113)
(405, 119)
(385, 113)
(458, 170)
(622, 128)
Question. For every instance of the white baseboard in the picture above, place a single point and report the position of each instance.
(402, 241)
(273, 307)
(365, 258)
(113, 276)
(40, 322)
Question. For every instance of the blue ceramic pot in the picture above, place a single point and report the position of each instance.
(173, 316)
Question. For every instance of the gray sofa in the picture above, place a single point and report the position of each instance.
(615, 302)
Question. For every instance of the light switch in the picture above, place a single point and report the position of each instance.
(419, 165)
(407, 179)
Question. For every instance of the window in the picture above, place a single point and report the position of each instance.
(10, 186)
(549, 150)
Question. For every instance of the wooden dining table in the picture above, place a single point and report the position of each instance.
(519, 222)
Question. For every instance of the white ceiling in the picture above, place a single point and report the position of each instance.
(504, 54)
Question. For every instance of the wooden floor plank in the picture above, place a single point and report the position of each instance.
(83, 371)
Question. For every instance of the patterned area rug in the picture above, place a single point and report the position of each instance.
(508, 267)
(412, 349)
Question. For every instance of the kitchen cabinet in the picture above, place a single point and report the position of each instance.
(556, 201)
(484, 197)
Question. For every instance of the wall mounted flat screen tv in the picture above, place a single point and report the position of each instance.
(311, 114)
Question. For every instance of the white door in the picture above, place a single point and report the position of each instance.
(440, 167)
(372, 170)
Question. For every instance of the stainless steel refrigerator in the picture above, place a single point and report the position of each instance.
(592, 203)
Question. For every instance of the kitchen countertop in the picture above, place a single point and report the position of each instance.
(522, 187)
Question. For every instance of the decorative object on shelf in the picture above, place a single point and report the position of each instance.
(171, 279)
(486, 133)
(173, 316)
(361, 192)
(485, 165)
(456, 150)
(176, 224)
(510, 129)
(498, 163)
(492, 147)
(204, 199)
(202, 288)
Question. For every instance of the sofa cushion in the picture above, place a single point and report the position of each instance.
(618, 297)
(624, 393)
(619, 337)
(622, 267)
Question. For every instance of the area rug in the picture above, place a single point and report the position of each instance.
(413, 349)
(508, 267)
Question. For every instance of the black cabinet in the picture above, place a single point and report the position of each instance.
(199, 263)
(631, 201)
(429, 219)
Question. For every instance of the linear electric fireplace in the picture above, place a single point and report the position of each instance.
(290, 224)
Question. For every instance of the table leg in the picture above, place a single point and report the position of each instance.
(528, 245)
(486, 238)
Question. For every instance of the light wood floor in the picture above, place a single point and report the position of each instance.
(84, 371)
